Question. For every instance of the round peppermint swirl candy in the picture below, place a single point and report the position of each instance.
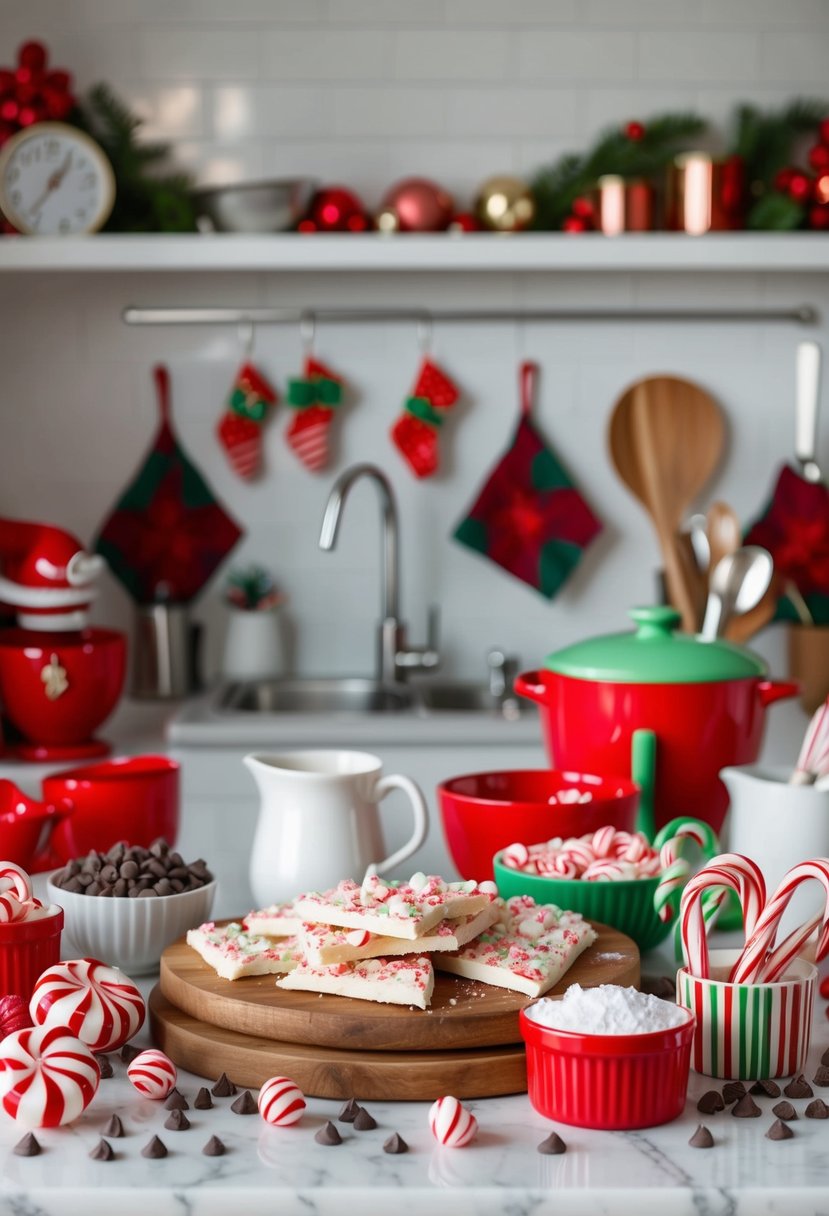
(451, 1123)
(99, 1004)
(47, 1076)
(152, 1073)
(281, 1102)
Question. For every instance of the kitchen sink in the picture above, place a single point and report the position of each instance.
(455, 696)
(314, 696)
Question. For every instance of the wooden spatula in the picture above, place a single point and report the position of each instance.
(666, 437)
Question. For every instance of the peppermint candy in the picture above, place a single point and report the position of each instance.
(516, 855)
(451, 1123)
(14, 878)
(14, 1015)
(152, 1073)
(98, 1003)
(47, 1076)
(281, 1102)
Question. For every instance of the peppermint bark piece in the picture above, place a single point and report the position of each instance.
(233, 953)
(325, 945)
(277, 920)
(390, 981)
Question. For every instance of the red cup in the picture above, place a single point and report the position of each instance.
(27, 948)
(25, 824)
(484, 812)
(134, 798)
(612, 1082)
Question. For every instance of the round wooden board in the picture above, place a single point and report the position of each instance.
(481, 1016)
(324, 1072)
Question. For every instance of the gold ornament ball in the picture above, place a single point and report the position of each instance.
(505, 204)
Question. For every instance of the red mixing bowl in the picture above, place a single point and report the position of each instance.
(484, 812)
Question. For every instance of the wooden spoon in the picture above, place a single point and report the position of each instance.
(723, 533)
(666, 437)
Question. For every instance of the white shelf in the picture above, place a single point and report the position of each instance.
(649, 252)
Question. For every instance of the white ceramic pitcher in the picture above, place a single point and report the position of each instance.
(318, 821)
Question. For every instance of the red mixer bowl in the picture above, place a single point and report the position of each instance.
(25, 823)
(94, 663)
(484, 812)
(134, 798)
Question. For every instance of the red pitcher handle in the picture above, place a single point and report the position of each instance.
(531, 684)
(777, 690)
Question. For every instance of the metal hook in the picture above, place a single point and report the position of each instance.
(247, 335)
(424, 332)
(307, 331)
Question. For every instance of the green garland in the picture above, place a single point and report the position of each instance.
(556, 187)
(767, 143)
(147, 198)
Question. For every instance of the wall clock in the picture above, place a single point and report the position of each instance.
(55, 180)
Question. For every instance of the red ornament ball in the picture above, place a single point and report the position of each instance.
(574, 223)
(823, 131)
(583, 207)
(819, 157)
(419, 205)
(464, 221)
(635, 131)
(32, 55)
(783, 178)
(334, 209)
(819, 216)
(800, 186)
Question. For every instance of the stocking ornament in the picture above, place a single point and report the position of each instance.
(240, 426)
(415, 433)
(315, 397)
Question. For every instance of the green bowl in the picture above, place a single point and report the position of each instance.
(626, 904)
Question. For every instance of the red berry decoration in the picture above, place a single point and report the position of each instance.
(464, 221)
(583, 207)
(823, 131)
(819, 216)
(574, 223)
(635, 131)
(800, 187)
(819, 157)
(32, 55)
(335, 209)
(783, 179)
(31, 93)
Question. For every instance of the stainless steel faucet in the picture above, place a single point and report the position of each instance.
(395, 659)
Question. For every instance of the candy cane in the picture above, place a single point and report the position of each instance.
(13, 878)
(731, 870)
(675, 869)
(813, 760)
(781, 956)
(760, 939)
(516, 856)
(603, 841)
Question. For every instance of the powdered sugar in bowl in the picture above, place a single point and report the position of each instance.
(607, 1057)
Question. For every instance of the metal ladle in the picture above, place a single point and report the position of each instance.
(738, 583)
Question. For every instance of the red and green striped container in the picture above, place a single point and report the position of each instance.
(749, 1031)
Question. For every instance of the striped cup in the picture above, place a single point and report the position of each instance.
(749, 1031)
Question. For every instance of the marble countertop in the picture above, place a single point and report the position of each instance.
(283, 1170)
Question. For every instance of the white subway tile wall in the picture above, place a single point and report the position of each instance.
(364, 92)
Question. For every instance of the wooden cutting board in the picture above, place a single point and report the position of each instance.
(325, 1072)
(463, 1014)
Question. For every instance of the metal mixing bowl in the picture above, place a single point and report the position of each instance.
(273, 206)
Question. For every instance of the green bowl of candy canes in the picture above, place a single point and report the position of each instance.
(615, 878)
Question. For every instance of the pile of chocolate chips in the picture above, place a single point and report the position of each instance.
(129, 871)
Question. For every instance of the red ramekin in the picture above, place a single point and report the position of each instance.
(612, 1082)
(27, 948)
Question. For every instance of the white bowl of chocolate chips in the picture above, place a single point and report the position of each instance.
(124, 906)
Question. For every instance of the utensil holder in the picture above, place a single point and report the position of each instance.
(749, 1032)
(809, 663)
(165, 654)
(253, 647)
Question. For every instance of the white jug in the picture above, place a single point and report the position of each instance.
(318, 821)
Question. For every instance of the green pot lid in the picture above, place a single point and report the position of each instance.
(655, 654)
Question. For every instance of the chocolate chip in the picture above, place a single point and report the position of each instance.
(349, 1112)
(128, 869)
(363, 1121)
(784, 1110)
(245, 1104)
(176, 1101)
(767, 1089)
(821, 1077)
(328, 1135)
(177, 1121)
(154, 1148)
(103, 1151)
(779, 1131)
(732, 1090)
(661, 986)
(106, 1068)
(817, 1110)
(29, 1146)
(746, 1108)
(799, 1087)
(552, 1146)
(395, 1144)
(132, 873)
(824, 1059)
(702, 1138)
(710, 1102)
(214, 1147)
(202, 1100)
(224, 1087)
(114, 1128)
(129, 1053)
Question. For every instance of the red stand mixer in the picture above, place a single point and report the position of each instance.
(59, 677)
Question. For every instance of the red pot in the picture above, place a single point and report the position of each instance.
(704, 701)
(56, 688)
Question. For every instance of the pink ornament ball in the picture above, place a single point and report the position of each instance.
(153, 1074)
(281, 1102)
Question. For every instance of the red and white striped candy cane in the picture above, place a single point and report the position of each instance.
(11, 908)
(739, 874)
(516, 856)
(602, 841)
(605, 868)
(760, 941)
(790, 948)
(580, 850)
(14, 878)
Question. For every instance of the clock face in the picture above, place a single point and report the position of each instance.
(55, 180)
